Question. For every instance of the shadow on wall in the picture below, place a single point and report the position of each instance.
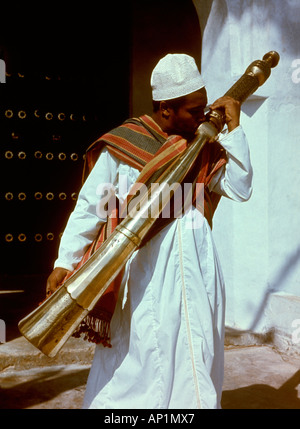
(252, 105)
(268, 15)
(285, 15)
(279, 279)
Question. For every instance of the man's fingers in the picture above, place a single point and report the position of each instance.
(55, 279)
(231, 108)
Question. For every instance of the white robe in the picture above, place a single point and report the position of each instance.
(168, 327)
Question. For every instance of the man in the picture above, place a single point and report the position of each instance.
(167, 327)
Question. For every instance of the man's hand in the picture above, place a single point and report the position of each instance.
(55, 280)
(232, 110)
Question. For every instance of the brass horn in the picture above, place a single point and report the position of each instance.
(50, 325)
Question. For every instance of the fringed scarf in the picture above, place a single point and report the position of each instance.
(143, 145)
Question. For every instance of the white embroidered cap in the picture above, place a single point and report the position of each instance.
(175, 75)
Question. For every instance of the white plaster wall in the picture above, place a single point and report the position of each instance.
(259, 241)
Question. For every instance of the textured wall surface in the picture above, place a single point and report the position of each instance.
(259, 241)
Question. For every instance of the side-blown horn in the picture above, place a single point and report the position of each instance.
(50, 325)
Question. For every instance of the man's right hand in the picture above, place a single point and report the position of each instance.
(55, 280)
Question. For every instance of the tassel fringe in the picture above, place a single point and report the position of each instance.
(94, 330)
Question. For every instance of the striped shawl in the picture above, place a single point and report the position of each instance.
(143, 145)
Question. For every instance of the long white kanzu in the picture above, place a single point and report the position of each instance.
(50, 325)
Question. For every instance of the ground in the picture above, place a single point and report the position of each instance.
(256, 377)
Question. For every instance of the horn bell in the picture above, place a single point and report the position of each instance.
(50, 325)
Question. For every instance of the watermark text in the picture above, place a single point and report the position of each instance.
(157, 200)
(2, 331)
(296, 72)
(2, 71)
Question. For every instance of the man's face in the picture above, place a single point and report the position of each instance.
(186, 119)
